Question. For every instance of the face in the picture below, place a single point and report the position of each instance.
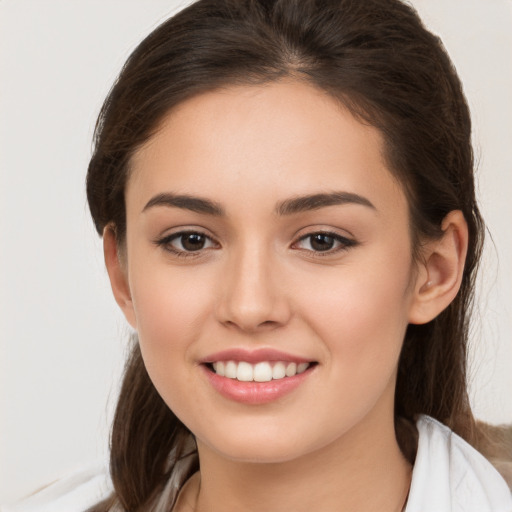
(268, 270)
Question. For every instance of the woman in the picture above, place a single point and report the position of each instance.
(285, 191)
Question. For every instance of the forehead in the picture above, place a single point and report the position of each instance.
(262, 143)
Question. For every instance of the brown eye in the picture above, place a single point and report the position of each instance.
(322, 242)
(192, 241)
(186, 243)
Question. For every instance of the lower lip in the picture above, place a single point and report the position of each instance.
(255, 392)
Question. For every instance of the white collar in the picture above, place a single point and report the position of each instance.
(449, 475)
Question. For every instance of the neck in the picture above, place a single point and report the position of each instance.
(362, 471)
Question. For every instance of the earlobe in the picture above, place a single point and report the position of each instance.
(117, 274)
(439, 278)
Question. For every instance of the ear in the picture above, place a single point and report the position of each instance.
(440, 272)
(116, 268)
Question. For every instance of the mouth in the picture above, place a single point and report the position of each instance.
(263, 371)
(256, 376)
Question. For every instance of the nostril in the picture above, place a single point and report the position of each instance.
(251, 327)
(269, 323)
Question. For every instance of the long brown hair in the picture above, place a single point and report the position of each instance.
(377, 58)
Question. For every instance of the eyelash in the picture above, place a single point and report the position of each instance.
(165, 243)
(344, 244)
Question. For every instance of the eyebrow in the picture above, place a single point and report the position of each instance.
(317, 201)
(186, 202)
(288, 207)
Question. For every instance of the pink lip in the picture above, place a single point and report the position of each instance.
(255, 393)
(253, 356)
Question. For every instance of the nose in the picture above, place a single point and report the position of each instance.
(253, 297)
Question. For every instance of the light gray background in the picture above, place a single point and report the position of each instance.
(62, 339)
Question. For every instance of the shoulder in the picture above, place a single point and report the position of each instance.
(450, 475)
(74, 493)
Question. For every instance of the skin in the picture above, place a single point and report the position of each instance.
(259, 283)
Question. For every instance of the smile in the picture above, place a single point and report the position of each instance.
(264, 371)
(256, 377)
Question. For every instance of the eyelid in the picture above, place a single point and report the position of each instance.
(344, 242)
(165, 242)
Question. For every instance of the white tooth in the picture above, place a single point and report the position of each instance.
(291, 369)
(244, 372)
(219, 368)
(279, 371)
(262, 372)
(230, 370)
(302, 367)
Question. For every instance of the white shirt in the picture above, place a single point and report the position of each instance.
(449, 475)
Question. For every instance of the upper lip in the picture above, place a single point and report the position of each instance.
(253, 356)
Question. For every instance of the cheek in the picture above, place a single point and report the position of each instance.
(362, 323)
(362, 313)
(171, 306)
(171, 310)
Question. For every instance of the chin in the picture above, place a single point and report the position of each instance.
(271, 454)
(262, 447)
